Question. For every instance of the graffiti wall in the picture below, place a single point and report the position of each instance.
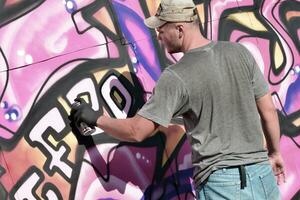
(52, 51)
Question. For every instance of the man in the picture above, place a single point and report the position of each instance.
(220, 92)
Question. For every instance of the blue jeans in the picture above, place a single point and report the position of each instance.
(226, 184)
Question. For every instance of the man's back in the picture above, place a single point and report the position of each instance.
(221, 118)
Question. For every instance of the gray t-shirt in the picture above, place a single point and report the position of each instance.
(214, 88)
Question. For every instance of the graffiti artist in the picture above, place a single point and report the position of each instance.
(225, 103)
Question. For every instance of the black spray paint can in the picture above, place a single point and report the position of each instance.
(84, 129)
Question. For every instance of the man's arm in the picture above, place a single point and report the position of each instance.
(134, 129)
(270, 124)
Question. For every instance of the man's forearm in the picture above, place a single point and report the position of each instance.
(269, 119)
(131, 129)
(117, 128)
(272, 132)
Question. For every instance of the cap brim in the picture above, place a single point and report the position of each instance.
(154, 22)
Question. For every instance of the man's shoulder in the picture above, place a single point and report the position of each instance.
(174, 67)
(234, 48)
(170, 70)
(172, 73)
(229, 44)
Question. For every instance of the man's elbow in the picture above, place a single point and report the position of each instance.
(266, 108)
(137, 134)
(137, 139)
(270, 114)
(141, 130)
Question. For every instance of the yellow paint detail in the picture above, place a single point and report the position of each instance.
(122, 70)
(64, 104)
(248, 20)
(99, 74)
(152, 5)
(125, 72)
(200, 8)
(72, 142)
(118, 97)
(52, 140)
(104, 18)
(297, 122)
(278, 56)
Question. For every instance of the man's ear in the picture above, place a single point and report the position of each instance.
(180, 30)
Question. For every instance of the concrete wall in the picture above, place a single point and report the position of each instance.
(53, 50)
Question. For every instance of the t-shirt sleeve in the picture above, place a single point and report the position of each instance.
(259, 85)
(169, 99)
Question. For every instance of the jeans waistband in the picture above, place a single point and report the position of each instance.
(242, 172)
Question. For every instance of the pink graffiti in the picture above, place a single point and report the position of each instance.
(41, 51)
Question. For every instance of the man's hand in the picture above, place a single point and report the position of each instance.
(278, 167)
(84, 113)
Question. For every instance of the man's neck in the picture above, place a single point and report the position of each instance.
(194, 40)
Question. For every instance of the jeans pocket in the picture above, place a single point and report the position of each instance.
(222, 191)
(222, 187)
(269, 185)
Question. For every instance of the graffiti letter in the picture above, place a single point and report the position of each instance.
(116, 96)
(26, 187)
(84, 86)
(56, 156)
